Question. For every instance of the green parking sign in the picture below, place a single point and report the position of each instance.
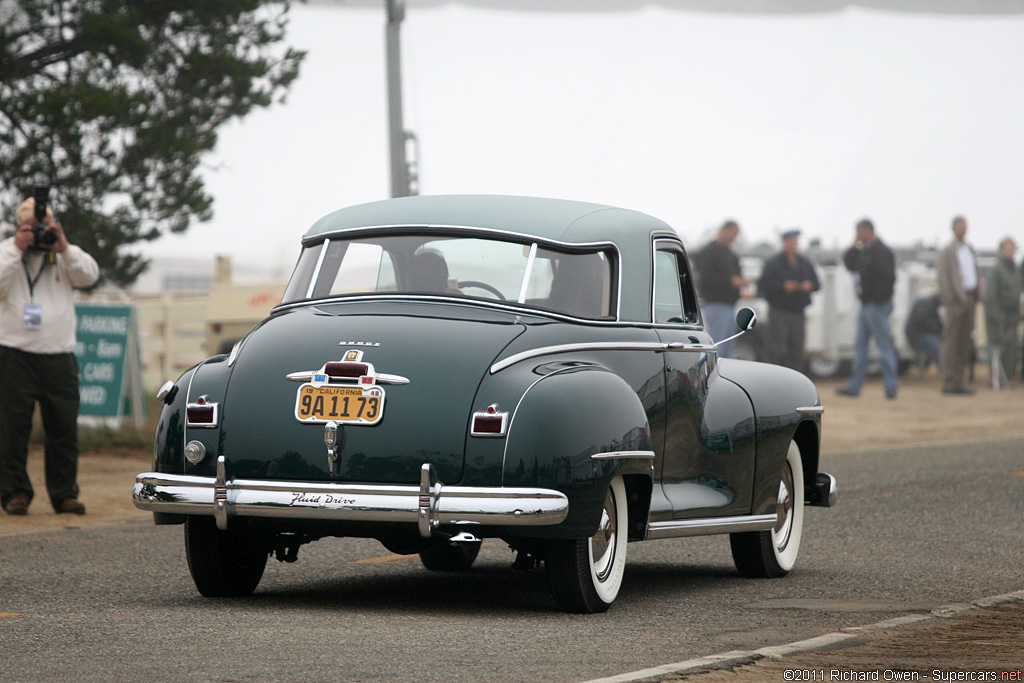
(108, 360)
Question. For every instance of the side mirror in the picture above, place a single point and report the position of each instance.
(746, 319)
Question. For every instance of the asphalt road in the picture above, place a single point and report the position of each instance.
(915, 528)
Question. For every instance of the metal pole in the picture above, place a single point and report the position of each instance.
(396, 132)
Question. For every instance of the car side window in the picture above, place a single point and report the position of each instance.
(674, 298)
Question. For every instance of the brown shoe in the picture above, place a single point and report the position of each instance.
(17, 506)
(70, 506)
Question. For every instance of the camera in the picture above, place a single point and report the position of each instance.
(42, 235)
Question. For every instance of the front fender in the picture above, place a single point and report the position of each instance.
(573, 431)
(778, 394)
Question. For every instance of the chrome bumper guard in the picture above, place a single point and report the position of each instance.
(824, 493)
(429, 505)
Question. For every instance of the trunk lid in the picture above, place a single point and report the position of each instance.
(444, 350)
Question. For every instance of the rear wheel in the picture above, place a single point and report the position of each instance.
(585, 575)
(449, 557)
(767, 554)
(223, 563)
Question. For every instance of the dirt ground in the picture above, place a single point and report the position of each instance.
(920, 414)
(980, 644)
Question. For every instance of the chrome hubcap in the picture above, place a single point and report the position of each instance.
(784, 509)
(602, 544)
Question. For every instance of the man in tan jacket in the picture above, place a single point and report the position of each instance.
(959, 284)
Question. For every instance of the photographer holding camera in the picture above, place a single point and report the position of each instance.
(38, 270)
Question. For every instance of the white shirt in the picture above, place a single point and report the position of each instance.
(968, 269)
(51, 292)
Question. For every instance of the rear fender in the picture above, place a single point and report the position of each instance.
(209, 379)
(574, 430)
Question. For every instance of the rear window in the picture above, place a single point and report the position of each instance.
(577, 283)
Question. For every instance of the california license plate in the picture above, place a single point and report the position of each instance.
(332, 403)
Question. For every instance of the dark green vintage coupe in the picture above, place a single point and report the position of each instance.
(443, 370)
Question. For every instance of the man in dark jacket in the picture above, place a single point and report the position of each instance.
(786, 284)
(874, 272)
(719, 282)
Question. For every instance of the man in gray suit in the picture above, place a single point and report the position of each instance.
(957, 273)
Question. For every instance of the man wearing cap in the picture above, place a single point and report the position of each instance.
(786, 284)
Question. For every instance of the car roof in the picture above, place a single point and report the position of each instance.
(549, 219)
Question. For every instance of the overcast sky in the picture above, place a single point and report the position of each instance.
(777, 120)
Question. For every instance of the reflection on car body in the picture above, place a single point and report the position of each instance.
(443, 370)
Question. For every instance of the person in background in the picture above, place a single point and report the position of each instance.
(38, 270)
(924, 328)
(719, 283)
(874, 272)
(1002, 312)
(957, 273)
(786, 284)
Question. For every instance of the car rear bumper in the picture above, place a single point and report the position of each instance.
(428, 505)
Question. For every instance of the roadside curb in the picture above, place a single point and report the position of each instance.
(735, 658)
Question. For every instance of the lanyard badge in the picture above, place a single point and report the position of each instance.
(33, 317)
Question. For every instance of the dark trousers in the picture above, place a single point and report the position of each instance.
(787, 332)
(52, 381)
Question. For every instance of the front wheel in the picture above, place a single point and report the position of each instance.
(223, 564)
(585, 575)
(767, 554)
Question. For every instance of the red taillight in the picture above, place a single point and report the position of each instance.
(488, 424)
(202, 413)
(348, 370)
(491, 422)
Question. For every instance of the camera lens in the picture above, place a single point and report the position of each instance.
(43, 237)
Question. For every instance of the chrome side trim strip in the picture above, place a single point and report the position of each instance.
(193, 495)
(613, 455)
(811, 410)
(714, 525)
(511, 307)
(596, 346)
(235, 350)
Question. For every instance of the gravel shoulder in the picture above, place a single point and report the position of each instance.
(978, 643)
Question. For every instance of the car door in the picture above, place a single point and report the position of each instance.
(707, 466)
